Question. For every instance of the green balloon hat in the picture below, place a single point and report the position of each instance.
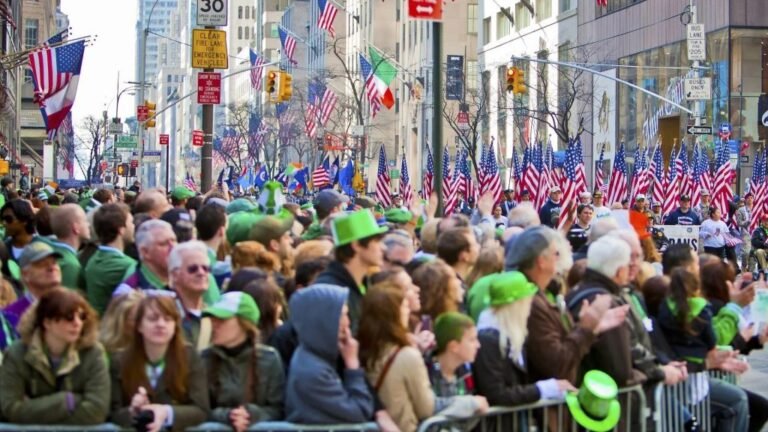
(271, 198)
(595, 406)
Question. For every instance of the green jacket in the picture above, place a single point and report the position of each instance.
(32, 393)
(103, 274)
(227, 390)
(71, 271)
(186, 413)
(726, 323)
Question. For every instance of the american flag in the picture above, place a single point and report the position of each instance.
(383, 192)
(56, 73)
(405, 183)
(517, 169)
(481, 164)
(429, 174)
(458, 175)
(313, 97)
(671, 191)
(617, 186)
(320, 176)
(703, 163)
(492, 181)
(682, 174)
(570, 184)
(257, 70)
(67, 145)
(370, 86)
(758, 188)
(327, 14)
(6, 13)
(189, 182)
(327, 104)
(470, 191)
(723, 194)
(599, 174)
(657, 171)
(547, 172)
(581, 170)
(448, 189)
(641, 181)
(289, 44)
(696, 176)
(543, 186)
(531, 174)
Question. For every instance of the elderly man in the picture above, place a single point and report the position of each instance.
(585, 198)
(152, 202)
(704, 206)
(398, 249)
(154, 240)
(189, 268)
(40, 273)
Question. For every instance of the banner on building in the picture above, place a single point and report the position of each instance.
(604, 117)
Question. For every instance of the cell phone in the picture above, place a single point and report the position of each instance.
(426, 323)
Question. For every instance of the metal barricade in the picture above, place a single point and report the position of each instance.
(677, 404)
(545, 416)
(105, 427)
(729, 377)
(280, 426)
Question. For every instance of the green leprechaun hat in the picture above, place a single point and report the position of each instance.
(271, 198)
(355, 226)
(595, 406)
(509, 287)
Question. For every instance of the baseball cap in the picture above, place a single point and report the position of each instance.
(640, 197)
(182, 192)
(554, 189)
(35, 252)
(365, 202)
(685, 197)
(584, 195)
(704, 192)
(597, 193)
(327, 199)
(656, 204)
(234, 304)
(182, 223)
(267, 227)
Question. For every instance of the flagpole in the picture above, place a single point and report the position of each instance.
(437, 125)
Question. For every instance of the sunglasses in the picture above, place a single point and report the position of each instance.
(71, 317)
(192, 269)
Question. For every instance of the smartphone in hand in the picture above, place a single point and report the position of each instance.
(426, 323)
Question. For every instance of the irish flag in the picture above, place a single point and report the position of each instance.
(384, 73)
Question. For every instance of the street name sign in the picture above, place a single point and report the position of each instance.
(126, 142)
(697, 88)
(212, 13)
(209, 88)
(209, 49)
(700, 130)
(430, 10)
(152, 156)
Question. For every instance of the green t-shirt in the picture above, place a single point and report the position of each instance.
(103, 274)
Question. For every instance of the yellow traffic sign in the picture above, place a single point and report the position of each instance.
(209, 49)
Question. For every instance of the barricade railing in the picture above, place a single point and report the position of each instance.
(104, 427)
(281, 426)
(729, 377)
(544, 416)
(675, 405)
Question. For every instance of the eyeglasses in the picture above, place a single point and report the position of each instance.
(71, 317)
(8, 219)
(192, 269)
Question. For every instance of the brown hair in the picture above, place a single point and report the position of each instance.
(107, 221)
(380, 324)
(650, 253)
(436, 297)
(267, 295)
(114, 321)
(714, 277)
(58, 304)
(254, 254)
(252, 374)
(490, 260)
(682, 286)
(176, 372)
(312, 249)
(451, 243)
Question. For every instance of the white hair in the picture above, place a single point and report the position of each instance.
(523, 216)
(629, 236)
(602, 227)
(176, 258)
(144, 234)
(607, 255)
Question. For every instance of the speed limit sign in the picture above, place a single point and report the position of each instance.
(212, 13)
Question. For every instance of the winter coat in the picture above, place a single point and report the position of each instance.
(337, 274)
(693, 346)
(547, 211)
(186, 413)
(612, 352)
(103, 273)
(760, 238)
(229, 374)
(316, 393)
(679, 217)
(553, 335)
(33, 393)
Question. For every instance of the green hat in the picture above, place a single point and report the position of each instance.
(35, 252)
(396, 215)
(510, 287)
(181, 193)
(271, 198)
(234, 304)
(240, 204)
(595, 406)
(450, 326)
(239, 226)
(355, 226)
(267, 228)
(314, 231)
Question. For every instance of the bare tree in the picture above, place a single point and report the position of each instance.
(475, 104)
(91, 137)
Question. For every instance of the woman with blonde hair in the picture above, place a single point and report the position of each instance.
(118, 322)
(56, 373)
(489, 261)
(245, 378)
(158, 380)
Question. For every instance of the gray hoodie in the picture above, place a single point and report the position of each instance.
(316, 393)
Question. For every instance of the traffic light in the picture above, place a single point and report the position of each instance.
(122, 169)
(519, 86)
(511, 75)
(285, 87)
(150, 123)
(272, 81)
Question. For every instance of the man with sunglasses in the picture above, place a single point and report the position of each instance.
(189, 268)
(398, 249)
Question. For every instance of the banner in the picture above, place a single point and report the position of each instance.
(604, 119)
(682, 234)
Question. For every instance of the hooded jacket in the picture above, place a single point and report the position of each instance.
(227, 390)
(33, 393)
(316, 393)
(337, 274)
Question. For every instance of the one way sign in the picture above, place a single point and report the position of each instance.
(431, 10)
(700, 130)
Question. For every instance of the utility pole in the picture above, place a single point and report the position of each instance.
(142, 81)
(437, 119)
(206, 167)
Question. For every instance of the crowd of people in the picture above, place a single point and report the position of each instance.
(162, 310)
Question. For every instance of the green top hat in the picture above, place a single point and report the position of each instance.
(271, 198)
(396, 215)
(355, 226)
(182, 193)
(234, 304)
(595, 406)
(510, 287)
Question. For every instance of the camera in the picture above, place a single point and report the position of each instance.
(142, 420)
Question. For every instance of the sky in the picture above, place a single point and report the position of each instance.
(113, 24)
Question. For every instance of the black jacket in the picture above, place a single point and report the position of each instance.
(502, 381)
(759, 238)
(693, 346)
(612, 352)
(547, 211)
(337, 274)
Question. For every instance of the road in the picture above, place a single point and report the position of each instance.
(756, 379)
